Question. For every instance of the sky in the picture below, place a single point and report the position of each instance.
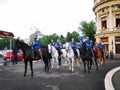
(49, 16)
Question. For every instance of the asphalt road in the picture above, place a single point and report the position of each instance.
(11, 77)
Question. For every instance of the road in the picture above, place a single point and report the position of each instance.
(11, 77)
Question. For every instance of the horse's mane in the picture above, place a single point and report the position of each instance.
(22, 43)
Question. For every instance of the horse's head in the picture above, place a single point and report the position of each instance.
(17, 46)
(68, 46)
(84, 45)
(50, 48)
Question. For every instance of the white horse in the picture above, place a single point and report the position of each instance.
(54, 54)
(70, 56)
(64, 58)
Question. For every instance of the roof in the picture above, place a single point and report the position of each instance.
(5, 34)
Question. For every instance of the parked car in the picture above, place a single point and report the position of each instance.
(10, 54)
(2, 53)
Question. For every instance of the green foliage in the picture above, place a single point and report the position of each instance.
(5, 43)
(74, 35)
(88, 29)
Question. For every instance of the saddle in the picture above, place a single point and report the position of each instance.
(37, 55)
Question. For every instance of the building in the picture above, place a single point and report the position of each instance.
(108, 24)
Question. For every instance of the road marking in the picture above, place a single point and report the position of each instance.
(108, 79)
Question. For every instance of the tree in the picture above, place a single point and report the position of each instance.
(74, 35)
(88, 29)
(5, 43)
(68, 37)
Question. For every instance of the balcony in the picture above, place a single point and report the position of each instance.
(107, 31)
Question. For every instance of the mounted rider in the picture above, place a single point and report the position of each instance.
(100, 46)
(58, 46)
(36, 47)
(89, 45)
(52, 43)
(74, 46)
(80, 44)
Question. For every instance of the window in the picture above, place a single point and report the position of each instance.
(118, 21)
(104, 23)
(117, 40)
(118, 6)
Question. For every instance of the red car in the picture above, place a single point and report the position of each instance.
(10, 54)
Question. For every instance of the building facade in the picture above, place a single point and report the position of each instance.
(107, 14)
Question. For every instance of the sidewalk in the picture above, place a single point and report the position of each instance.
(116, 80)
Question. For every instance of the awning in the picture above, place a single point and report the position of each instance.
(4, 34)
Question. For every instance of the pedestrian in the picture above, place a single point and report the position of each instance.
(111, 54)
(15, 58)
(107, 54)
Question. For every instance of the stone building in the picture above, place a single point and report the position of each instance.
(107, 14)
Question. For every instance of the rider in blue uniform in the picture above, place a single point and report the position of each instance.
(52, 43)
(100, 46)
(58, 46)
(74, 46)
(88, 44)
(80, 43)
(35, 46)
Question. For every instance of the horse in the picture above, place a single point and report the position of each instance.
(54, 54)
(70, 56)
(98, 55)
(86, 57)
(28, 55)
(64, 57)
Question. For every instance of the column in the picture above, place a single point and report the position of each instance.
(110, 22)
(112, 43)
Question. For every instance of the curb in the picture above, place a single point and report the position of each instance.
(108, 79)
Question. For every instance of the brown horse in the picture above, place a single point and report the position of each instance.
(98, 55)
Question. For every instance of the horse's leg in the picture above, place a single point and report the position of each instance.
(52, 63)
(31, 66)
(90, 63)
(72, 64)
(57, 62)
(84, 65)
(104, 60)
(44, 63)
(49, 64)
(59, 58)
(95, 60)
(25, 67)
(69, 63)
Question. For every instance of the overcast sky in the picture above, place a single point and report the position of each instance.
(49, 16)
